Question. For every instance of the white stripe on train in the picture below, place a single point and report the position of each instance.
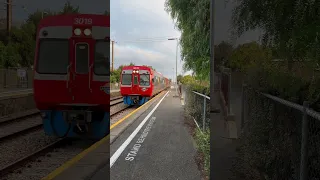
(65, 32)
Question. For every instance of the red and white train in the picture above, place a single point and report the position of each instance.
(140, 83)
(72, 75)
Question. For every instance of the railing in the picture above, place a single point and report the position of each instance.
(198, 107)
(279, 139)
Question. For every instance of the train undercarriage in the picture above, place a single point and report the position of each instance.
(76, 123)
(135, 100)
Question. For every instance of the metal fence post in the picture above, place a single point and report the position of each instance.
(242, 105)
(304, 143)
(204, 113)
(229, 92)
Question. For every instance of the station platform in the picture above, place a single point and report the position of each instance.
(15, 93)
(150, 143)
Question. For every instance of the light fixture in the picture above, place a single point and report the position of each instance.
(77, 31)
(87, 32)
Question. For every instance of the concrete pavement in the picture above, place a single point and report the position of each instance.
(161, 149)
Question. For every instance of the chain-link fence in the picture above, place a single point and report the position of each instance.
(197, 106)
(279, 140)
(15, 79)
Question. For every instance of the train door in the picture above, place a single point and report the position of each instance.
(82, 63)
(135, 84)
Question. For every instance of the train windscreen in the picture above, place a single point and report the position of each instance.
(144, 80)
(102, 58)
(53, 56)
(126, 79)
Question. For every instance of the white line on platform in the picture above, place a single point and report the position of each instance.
(117, 154)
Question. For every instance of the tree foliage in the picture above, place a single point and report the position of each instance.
(291, 26)
(248, 55)
(18, 49)
(116, 73)
(192, 19)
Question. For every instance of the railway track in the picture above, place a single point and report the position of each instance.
(16, 129)
(41, 158)
(30, 121)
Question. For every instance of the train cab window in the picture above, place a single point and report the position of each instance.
(135, 80)
(144, 80)
(102, 58)
(126, 79)
(82, 58)
(53, 56)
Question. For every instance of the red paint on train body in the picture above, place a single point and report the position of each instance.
(141, 81)
(72, 64)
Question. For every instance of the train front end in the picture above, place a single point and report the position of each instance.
(136, 86)
(72, 75)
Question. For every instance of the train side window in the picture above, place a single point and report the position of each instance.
(152, 80)
(126, 79)
(102, 58)
(82, 58)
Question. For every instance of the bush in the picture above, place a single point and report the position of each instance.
(285, 84)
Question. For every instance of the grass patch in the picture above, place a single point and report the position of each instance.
(203, 147)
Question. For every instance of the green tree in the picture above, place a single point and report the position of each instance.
(248, 55)
(188, 79)
(193, 20)
(179, 78)
(69, 9)
(291, 26)
(35, 18)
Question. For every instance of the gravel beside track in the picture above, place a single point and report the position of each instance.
(19, 147)
(43, 165)
(18, 125)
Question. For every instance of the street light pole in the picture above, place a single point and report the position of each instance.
(170, 39)
(173, 75)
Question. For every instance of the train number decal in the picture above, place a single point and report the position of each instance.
(86, 21)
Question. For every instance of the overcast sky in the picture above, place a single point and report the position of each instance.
(133, 20)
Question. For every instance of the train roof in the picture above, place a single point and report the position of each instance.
(142, 68)
(69, 20)
(137, 67)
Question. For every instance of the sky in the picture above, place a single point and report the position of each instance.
(141, 19)
(141, 29)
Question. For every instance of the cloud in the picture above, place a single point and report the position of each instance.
(141, 29)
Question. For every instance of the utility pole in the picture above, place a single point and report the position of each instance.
(170, 39)
(9, 16)
(112, 44)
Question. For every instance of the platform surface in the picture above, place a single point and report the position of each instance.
(162, 149)
(155, 145)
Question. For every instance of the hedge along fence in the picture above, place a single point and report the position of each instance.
(194, 104)
(194, 110)
(277, 140)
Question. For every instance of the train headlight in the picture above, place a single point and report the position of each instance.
(77, 32)
(87, 32)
